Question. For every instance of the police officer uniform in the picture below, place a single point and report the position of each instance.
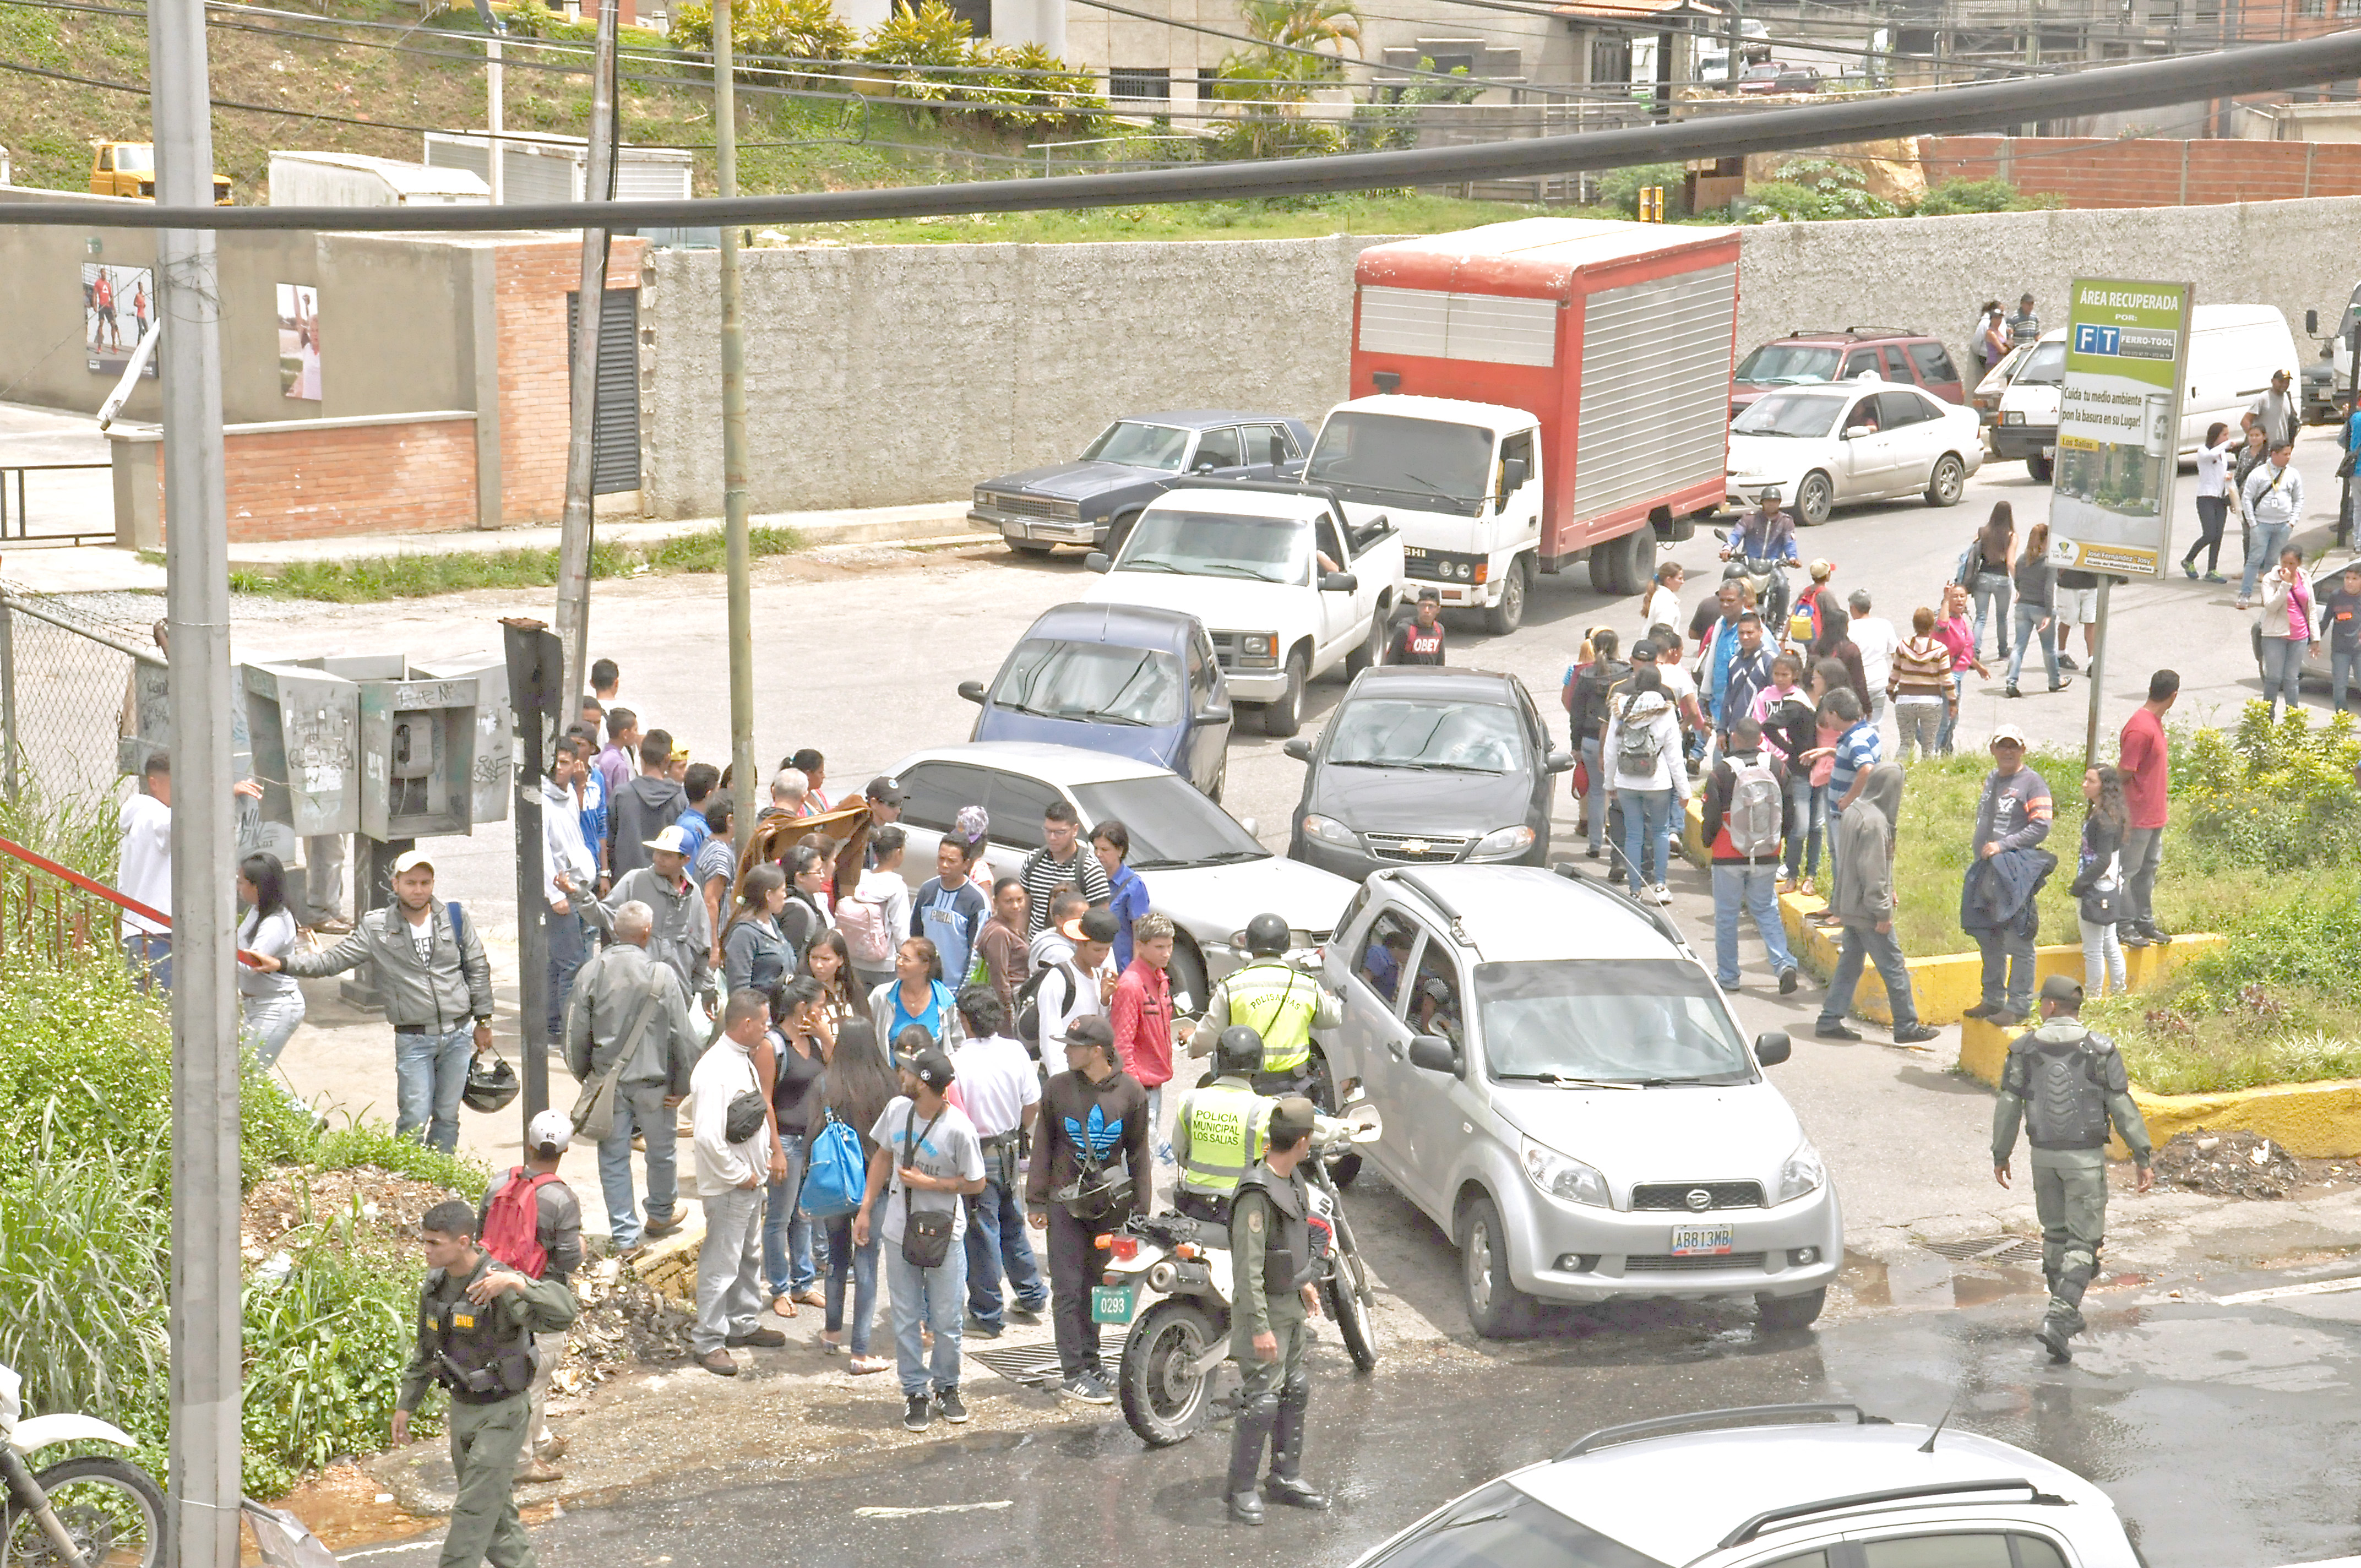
(1276, 1001)
(484, 1357)
(1220, 1130)
(2066, 1084)
(1270, 1252)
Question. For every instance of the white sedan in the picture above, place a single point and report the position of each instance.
(1855, 441)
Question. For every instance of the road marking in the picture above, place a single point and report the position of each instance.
(380, 1550)
(937, 1508)
(2315, 1287)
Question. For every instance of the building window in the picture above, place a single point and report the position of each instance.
(976, 13)
(1138, 83)
(1611, 60)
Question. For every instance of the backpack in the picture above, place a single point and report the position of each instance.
(1752, 821)
(1028, 1006)
(513, 1222)
(1636, 750)
(835, 1175)
(867, 936)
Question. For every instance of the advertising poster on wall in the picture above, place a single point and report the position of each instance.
(2119, 426)
(299, 341)
(118, 306)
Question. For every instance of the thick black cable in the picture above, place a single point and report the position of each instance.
(1978, 106)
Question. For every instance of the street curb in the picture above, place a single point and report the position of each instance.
(669, 1266)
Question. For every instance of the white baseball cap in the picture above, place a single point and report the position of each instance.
(674, 839)
(2007, 732)
(412, 860)
(551, 1129)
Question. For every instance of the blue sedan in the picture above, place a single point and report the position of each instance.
(1094, 500)
(1114, 678)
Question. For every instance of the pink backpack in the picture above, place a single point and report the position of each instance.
(866, 934)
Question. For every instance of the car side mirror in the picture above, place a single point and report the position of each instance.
(1560, 759)
(1852, 431)
(1253, 827)
(1435, 1054)
(1339, 583)
(2312, 323)
(1214, 716)
(1773, 1047)
(972, 691)
(1097, 561)
(1512, 474)
(1298, 749)
(1205, 465)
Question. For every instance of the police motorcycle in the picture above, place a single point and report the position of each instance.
(1178, 1344)
(96, 1511)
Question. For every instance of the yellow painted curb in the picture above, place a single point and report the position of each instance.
(1693, 832)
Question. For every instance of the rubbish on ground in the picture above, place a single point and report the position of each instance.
(2228, 1165)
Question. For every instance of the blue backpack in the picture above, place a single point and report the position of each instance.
(835, 1175)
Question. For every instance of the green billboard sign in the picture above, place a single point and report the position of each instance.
(2119, 426)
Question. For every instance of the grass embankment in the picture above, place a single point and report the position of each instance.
(379, 577)
(1292, 218)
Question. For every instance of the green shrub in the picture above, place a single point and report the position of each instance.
(1995, 196)
(790, 30)
(1620, 188)
(375, 1143)
(1814, 190)
(85, 1244)
(917, 37)
(2276, 795)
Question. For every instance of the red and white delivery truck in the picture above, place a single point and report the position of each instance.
(1530, 394)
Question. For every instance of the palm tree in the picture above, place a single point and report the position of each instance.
(1305, 24)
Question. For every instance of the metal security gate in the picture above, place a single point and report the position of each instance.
(1655, 388)
(615, 424)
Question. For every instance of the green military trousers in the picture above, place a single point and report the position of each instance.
(486, 1442)
(2070, 1200)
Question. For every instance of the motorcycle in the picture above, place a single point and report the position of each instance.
(1179, 1343)
(95, 1511)
(1769, 581)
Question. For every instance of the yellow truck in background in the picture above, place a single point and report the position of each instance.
(128, 169)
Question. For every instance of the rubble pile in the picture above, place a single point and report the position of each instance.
(622, 1320)
(2228, 1165)
(380, 1201)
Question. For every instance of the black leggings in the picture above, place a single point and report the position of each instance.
(2212, 512)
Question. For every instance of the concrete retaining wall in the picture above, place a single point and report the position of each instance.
(886, 375)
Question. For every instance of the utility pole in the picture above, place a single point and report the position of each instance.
(739, 549)
(495, 100)
(1736, 49)
(205, 1380)
(590, 308)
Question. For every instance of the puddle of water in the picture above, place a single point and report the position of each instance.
(1932, 1283)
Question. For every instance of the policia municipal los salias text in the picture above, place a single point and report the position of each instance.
(1223, 1126)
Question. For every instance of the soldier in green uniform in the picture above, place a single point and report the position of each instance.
(1270, 1252)
(476, 1317)
(2066, 1084)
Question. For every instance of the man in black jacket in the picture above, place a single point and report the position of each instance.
(643, 807)
(1589, 721)
(1092, 1115)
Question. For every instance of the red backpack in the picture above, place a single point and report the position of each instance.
(513, 1222)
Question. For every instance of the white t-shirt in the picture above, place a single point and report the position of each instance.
(997, 1081)
(1876, 641)
(273, 937)
(950, 1148)
(1664, 609)
(1067, 992)
(1678, 682)
(145, 872)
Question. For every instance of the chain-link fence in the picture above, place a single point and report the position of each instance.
(72, 689)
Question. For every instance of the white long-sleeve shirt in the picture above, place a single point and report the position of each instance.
(2213, 468)
(1669, 773)
(564, 849)
(724, 1072)
(2273, 495)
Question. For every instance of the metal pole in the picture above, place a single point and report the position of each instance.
(495, 116)
(8, 701)
(206, 1378)
(1737, 48)
(733, 430)
(2352, 406)
(535, 664)
(2096, 674)
(574, 532)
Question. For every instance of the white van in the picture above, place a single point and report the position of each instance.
(2233, 349)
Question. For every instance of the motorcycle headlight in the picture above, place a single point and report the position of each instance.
(1559, 1176)
(1328, 831)
(1801, 1176)
(1502, 842)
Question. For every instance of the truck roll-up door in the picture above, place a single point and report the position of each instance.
(1655, 411)
(1496, 329)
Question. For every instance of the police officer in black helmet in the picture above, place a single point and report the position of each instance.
(476, 1317)
(1270, 1249)
(2066, 1084)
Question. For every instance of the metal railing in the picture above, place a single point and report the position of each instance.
(16, 527)
(53, 907)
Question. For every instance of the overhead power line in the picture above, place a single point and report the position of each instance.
(1978, 106)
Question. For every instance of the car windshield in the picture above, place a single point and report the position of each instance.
(2045, 367)
(1500, 1526)
(1091, 682)
(1171, 825)
(1653, 1021)
(1425, 733)
(1787, 414)
(1387, 460)
(136, 159)
(1216, 545)
(1785, 363)
(1140, 446)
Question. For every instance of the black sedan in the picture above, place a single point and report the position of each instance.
(1426, 766)
(1094, 500)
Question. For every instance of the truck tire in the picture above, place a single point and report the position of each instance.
(1949, 481)
(2039, 468)
(1815, 499)
(1508, 615)
(1284, 716)
(1607, 569)
(1372, 650)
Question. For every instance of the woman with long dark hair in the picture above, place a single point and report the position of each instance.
(800, 1038)
(1836, 643)
(855, 1089)
(828, 962)
(2037, 614)
(805, 915)
(2101, 867)
(1986, 578)
(271, 1005)
(754, 952)
(2212, 501)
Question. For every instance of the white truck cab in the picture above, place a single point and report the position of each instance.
(1290, 584)
(1460, 480)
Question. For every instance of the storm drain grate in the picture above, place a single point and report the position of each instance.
(1036, 1366)
(1989, 1249)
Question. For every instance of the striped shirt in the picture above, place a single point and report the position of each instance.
(1922, 668)
(1860, 747)
(1043, 876)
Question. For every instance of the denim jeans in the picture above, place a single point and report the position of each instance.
(787, 1234)
(1866, 942)
(729, 1270)
(1918, 723)
(568, 946)
(1753, 888)
(2263, 547)
(933, 1297)
(1829, 798)
(1952, 713)
(2344, 667)
(2283, 669)
(2102, 958)
(1990, 590)
(1594, 802)
(1804, 825)
(430, 1073)
(2143, 853)
(1647, 834)
(639, 1107)
(2212, 512)
(859, 1264)
(268, 1022)
(149, 955)
(2028, 616)
(996, 1244)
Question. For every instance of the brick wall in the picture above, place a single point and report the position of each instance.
(318, 480)
(2144, 172)
(536, 388)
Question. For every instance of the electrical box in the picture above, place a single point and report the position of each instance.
(494, 767)
(417, 758)
(147, 723)
(304, 726)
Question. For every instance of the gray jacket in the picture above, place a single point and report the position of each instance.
(607, 997)
(1865, 893)
(683, 936)
(453, 987)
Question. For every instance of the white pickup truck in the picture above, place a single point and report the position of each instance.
(1288, 585)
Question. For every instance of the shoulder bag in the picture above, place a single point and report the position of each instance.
(925, 1237)
(593, 1108)
(2102, 901)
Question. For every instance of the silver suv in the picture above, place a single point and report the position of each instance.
(1822, 1486)
(1567, 1094)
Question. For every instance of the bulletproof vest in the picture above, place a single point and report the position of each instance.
(480, 1357)
(1226, 1123)
(1287, 1262)
(2065, 1097)
(1278, 1003)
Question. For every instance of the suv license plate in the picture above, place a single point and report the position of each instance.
(1113, 1303)
(1700, 1240)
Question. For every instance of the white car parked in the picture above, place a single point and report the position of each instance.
(1854, 441)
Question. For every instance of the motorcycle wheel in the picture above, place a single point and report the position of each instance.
(1348, 1295)
(1163, 1399)
(113, 1509)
